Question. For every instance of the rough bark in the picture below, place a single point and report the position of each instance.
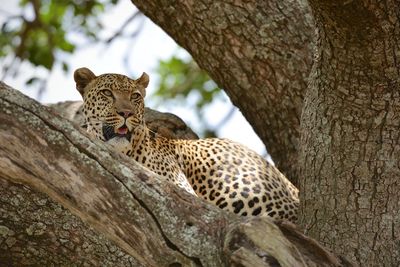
(36, 231)
(351, 148)
(259, 52)
(139, 220)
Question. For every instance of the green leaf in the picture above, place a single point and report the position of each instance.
(32, 80)
(182, 79)
(65, 67)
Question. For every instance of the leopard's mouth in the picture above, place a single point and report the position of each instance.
(123, 130)
(109, 132)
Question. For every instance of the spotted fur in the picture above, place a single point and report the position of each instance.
(220, 171)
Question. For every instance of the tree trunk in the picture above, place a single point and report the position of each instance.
(351, 144)
(259, 52)
(137, 219)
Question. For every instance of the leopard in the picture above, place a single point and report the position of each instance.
(220, 171)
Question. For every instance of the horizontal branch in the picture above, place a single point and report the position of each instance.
(151, 220)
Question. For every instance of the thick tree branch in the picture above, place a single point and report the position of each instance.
(259, 52)
(34, 230)
(154, 222)
(100, 190)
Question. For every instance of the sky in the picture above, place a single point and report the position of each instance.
(152, 45)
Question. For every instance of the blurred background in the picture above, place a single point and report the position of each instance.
(42, 42)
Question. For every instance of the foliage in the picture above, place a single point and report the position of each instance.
(41, 33)
(39, 39)
(179, 78)
(182, 79)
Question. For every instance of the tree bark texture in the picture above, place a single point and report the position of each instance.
(67, 200)
(259, 52)
(36, 231)
(351, 139)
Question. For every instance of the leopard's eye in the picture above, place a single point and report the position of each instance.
(136, 96)
(106, 92)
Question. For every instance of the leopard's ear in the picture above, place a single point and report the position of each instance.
(142, 83)
(82, 77)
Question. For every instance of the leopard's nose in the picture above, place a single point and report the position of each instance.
(125, 113)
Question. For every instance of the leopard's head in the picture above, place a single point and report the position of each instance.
(113, 104)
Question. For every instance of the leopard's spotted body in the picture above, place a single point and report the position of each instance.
(221, 171)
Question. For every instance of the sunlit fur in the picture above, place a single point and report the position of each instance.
(220, 171)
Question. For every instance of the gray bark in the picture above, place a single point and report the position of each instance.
(71, 200)
(350, 147)
(36, 231)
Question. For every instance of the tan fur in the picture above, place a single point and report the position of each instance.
(220, 171)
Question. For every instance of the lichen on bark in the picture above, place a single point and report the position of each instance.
(36, 230)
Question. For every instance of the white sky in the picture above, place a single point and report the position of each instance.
(150, 46)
